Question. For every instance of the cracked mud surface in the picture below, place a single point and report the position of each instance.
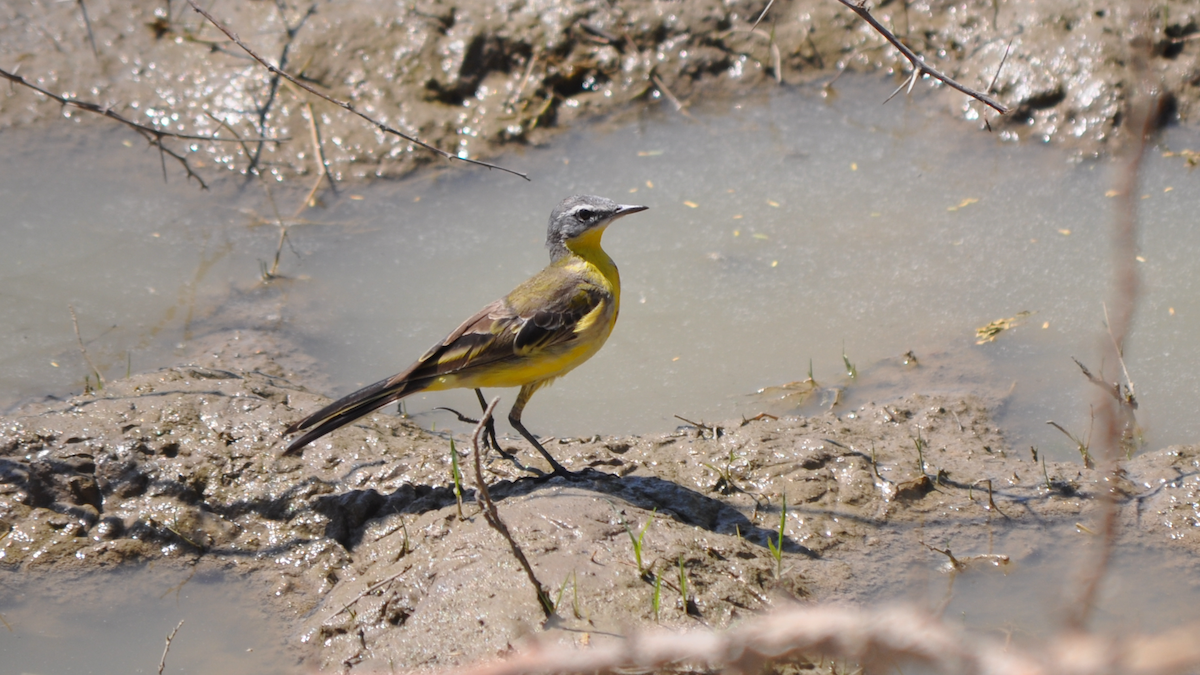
(360, 542)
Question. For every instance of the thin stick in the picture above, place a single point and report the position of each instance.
(343, 104)
(82, 349)
(163, 662)
(492, 516)
(374, 587)
(322, 163)
(761, 16)
(88, 24)
(1119, 349)
(919, 67)
(992, 84)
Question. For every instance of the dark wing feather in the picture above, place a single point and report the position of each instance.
(540, 313)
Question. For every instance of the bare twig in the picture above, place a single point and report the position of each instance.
(992, 84)
(1120, 350)
(763, 15)
(162, 664)
(322, 163)
(88, 24)
(153, 135)
(83, 350)
(108, 112)
(662, 86)
(343, 104)
(919, 66)
(372, 588)
(492, 516)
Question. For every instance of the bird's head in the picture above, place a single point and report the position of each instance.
(580, 220)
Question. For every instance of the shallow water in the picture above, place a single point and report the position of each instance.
(117, 622)
(783, 230)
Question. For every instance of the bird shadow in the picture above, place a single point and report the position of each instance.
(349, 513)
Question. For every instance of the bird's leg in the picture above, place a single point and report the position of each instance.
(489, 430)
(514, 418)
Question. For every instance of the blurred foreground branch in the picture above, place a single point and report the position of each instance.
(1114, 414)
(873, 638)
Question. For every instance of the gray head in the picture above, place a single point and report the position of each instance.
(579, 215)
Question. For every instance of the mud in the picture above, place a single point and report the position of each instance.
(360, 541)
(475, 77)
(360, 537)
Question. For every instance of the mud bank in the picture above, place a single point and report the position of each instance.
(473, 77)
(360, 541)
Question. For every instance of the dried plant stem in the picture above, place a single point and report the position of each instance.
(342, 104)
(322, 163)
(83, 350)
(492, 516)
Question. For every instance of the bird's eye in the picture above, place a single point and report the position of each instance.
(585, 214)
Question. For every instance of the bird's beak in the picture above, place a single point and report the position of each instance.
(626, 209)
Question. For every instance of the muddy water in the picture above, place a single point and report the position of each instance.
(783, 231)
(117, 621)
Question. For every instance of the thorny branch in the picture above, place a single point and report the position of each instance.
(918, 65)
(343, 104)
(151, 134)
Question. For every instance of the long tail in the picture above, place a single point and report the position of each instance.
(349, 408)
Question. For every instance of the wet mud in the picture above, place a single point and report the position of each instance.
(360, 541)
(476, 77)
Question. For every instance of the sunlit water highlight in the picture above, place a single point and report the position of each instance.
(783, 230)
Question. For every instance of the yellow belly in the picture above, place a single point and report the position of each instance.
(544, 365)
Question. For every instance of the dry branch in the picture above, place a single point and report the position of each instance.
(151, 134)
(343, 104)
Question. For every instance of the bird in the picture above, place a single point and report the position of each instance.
(543, 329)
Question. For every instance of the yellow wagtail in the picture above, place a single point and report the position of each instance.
(537, 333)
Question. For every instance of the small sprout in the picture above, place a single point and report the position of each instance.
(656, 600)
(1081, 446)
(683, 584)
(920, 443)
(456, 476)
(851, 370)
(776, 546)
(637, 541)
(574, 593)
